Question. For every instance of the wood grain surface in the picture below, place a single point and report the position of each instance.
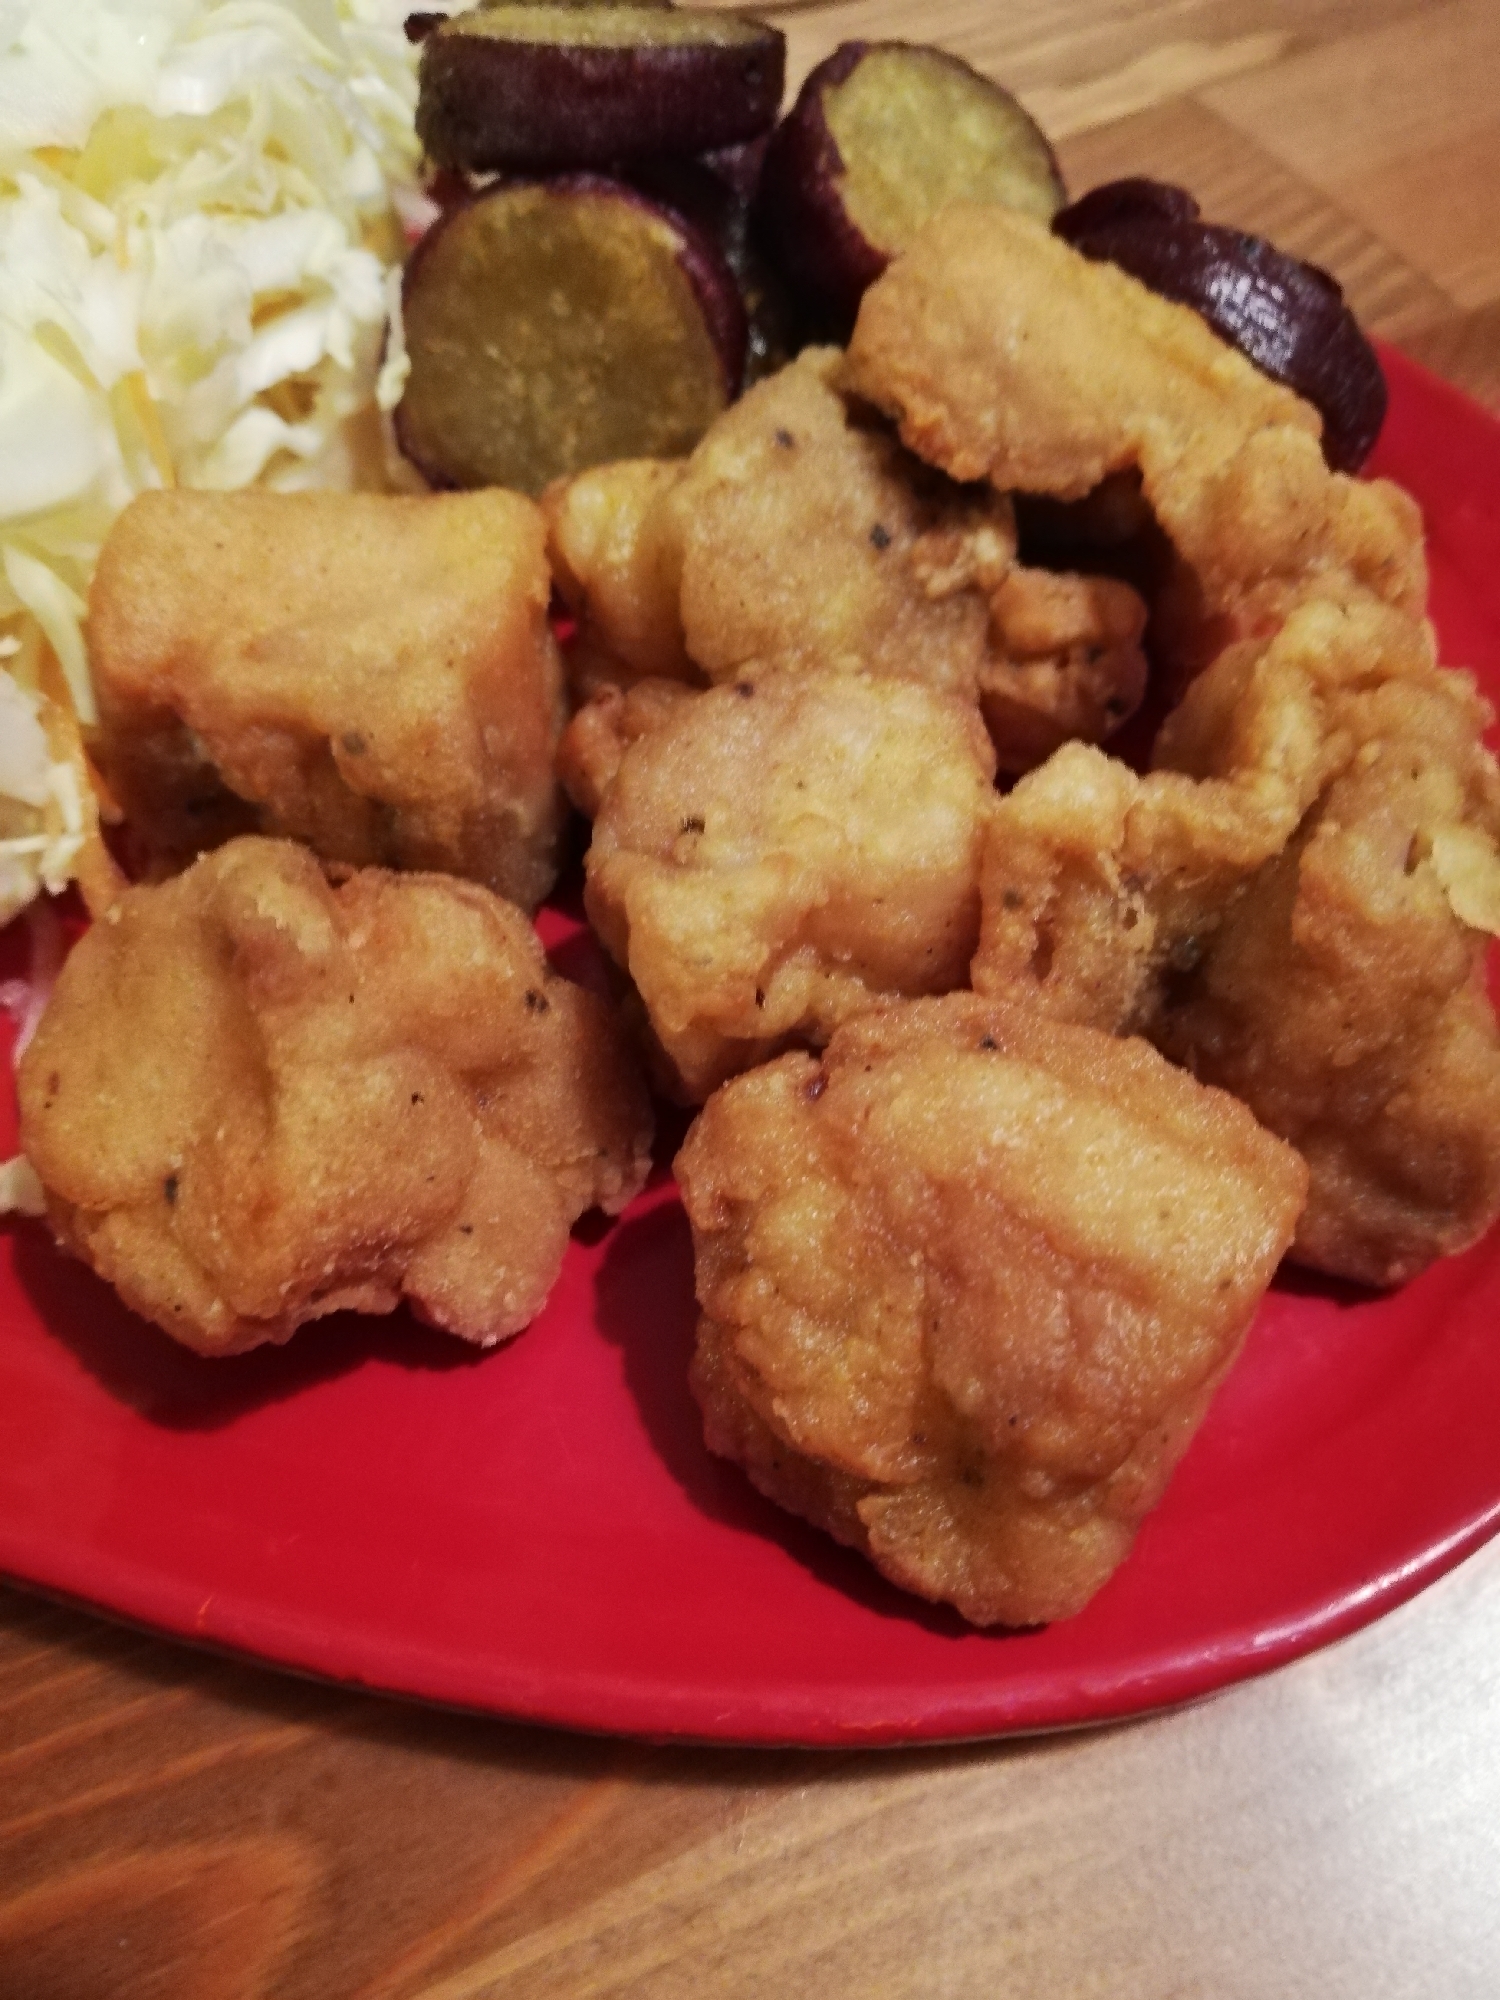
(188, 1828)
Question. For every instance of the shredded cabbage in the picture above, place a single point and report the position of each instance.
(197, 242)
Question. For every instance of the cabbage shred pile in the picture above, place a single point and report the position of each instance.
(198, 255)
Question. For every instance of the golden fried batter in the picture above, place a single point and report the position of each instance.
(610, 720)
(1279, 902)
(1098, 882)
(800, 535)
(1342, 994)
(256, 1098)
(770, 854)
(968, 1284)
(1005, 355)
(809, 540)
(371, 674)
(1069, 664)
(617, 561)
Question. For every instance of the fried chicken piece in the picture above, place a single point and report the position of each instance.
(257, 1097)
(1070, 665)
(616, 558)
(801, 536)
(811, 541)
(1004, 355)
(1098, 882)
(1342, 994)
(371, 674)
(771, 854)
(1297, 912)
(610, 720)
(1167, 904)
(968, 1285)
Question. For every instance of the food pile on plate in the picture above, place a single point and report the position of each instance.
(1028, 822)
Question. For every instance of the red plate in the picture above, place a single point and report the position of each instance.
(540, 1533)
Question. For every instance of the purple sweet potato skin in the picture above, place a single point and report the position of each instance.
(715, 193)
(537, 107)
(1288, 317)
(800, 218)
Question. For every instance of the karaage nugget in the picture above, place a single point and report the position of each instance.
(257, 1097)
(1342, 996)
(371, 674)
(771, 854)
(616, 557)
(1297, 911)
(1004, 355)
(610, 720)
(1109, 898)
(801, 536)
(968, 1284)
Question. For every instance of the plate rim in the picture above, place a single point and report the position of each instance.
(622, 1703)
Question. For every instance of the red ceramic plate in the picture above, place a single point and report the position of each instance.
(540, 1533)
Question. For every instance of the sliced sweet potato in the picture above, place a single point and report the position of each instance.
(883, 135)
(420, 26)
(533, 89)
(716, 192)
(556, 325)
(1288, 317)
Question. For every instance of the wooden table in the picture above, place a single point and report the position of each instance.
(174, 1825)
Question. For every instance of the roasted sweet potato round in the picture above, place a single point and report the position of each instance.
(1288, 317)
(556, 325)
(420, 26)
(536, 89)
(883, 135)
(715, 193)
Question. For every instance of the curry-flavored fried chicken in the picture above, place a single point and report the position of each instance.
(256, 1098)
(968, 1285)
(771, 854)
(374, 675)
(800, 535)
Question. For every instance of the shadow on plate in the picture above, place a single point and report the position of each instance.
(172, 1386)
(1300, 1283)
(644, 1305)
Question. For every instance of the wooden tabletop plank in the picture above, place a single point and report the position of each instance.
(1239, 182)
(1343, 1804)
(1399, 127)
(1085, 62)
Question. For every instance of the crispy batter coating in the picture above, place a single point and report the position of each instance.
(1069, 666)
(1342, 994)
(1321, 817)
(371, 674)
(256, 1098)
(1005, 355)
(968, 1284)
(810, 540)
(617, 561)
(1100, 883)
(610, 720)
(801, 536)
(770, 854)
